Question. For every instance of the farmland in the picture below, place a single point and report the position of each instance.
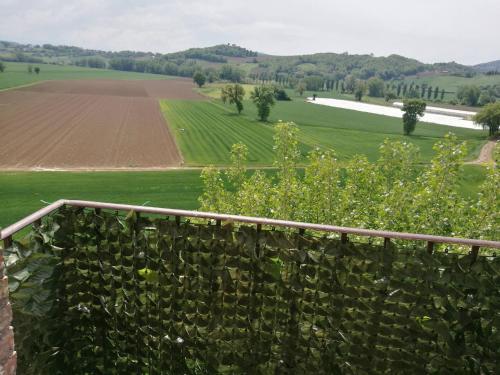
(206, 131)
(54, 124)
(81, 123)
(16, 74)
(452, 83)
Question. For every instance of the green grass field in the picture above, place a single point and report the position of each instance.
(16, 74)
(21, 193)
(205, 131)
(213, 90)
(452, 83)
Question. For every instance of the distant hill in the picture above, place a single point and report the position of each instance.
(492, 66)
(232, 62)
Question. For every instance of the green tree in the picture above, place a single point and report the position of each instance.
(487, 96)
(301, 87)
(436, 92)
(429, 93)
(37, 70)
(30, 69)
(412, 109)
(413, 93)
(349, 83)
(211, 74)
(375, 87)
(234, 94)
(390, 95)
(442, 94)
(2, 67)
(489, 117)
(231, 73)
(263, 98)
(314, 83)
(199, 78)
(469, 95)
(359, 90)
(394, 193)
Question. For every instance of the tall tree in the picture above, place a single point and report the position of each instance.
(349, 83)
(436, 92)
(359, 89)
(263, 98)
(199, 78)
(400, 86)
(469, 94)
(376, 87)
(489, 117)
(301, 87)
(234, 94)
(2, 67)
(413, 109)
(429, 93)
(442, 94)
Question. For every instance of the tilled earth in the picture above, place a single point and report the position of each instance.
(89, 124)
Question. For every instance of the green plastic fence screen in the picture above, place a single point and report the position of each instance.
(99, 293)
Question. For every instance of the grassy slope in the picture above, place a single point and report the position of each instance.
(210, 128)
(351, 132)
(22, 192)
(206, 131)
(16, 74)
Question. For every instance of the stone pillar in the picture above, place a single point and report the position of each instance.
(8, 359)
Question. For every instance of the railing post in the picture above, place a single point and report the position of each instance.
(7, 242)
(474, 253)
(430, 247)
(343, 238)
(387, 242)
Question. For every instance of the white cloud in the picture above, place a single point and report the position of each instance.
(430, 30)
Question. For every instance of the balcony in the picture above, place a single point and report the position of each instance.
(100, 288)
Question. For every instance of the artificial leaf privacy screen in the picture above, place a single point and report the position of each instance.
(95, 292)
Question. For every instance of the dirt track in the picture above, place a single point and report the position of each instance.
(486, 154)
(90, 124)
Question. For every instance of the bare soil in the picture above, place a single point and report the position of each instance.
(89, 124)
(486, 153)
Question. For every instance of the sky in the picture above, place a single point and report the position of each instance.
(467, 32)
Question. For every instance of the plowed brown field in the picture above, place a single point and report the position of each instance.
(90, 124)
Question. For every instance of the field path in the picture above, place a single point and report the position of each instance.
(486, 154)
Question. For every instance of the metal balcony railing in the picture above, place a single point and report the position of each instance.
(7, 233)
